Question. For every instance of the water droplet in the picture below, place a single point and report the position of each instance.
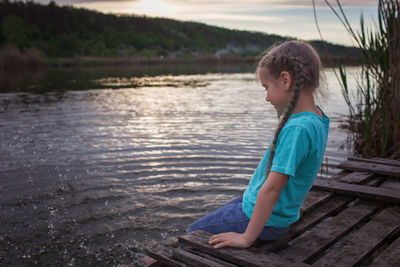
(72, 262)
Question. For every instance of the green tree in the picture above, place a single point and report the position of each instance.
(68, 45)
(15, 32)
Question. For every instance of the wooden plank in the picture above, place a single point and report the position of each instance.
(314, 199)
(377, 160)
(322, 236)
(164, 255)
(361, 191)
(330, 208)
(356, 177)
(375, 181)
(156, 264)
(363, 242)
(392, 184)
(390, 256)
(387, 161)
(370, 167)
(340, 174)
(199, 240)
(193, 259)
(205, 255)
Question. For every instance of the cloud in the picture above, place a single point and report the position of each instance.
(92, 1)
(283, 17)
(301, 3)
(322, 3)
(243, 17)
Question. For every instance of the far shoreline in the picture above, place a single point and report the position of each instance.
(14, 60)
(91, 61)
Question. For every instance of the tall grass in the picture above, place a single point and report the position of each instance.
(13, 59)
(374, 118)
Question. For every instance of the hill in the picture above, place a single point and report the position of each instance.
(66, 31)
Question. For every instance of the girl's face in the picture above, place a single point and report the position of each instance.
(278, 89)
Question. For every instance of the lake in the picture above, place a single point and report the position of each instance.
(97, 164)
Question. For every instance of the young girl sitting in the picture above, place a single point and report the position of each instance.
(290, 73)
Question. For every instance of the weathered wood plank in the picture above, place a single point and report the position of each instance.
(375, 181)
(164, 255)
(241, 257)
(340, 174)
(362, 242)
(193, 259)
(316, 216)
(205, 255)
(356, 177)
(392, 184)
(314, 199)
(387, 161)
(361, 191)
(156, 264)
(320, 237)
(390, 256)
(370, 167)
(377, 160)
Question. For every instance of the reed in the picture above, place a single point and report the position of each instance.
(14, 60)
(374, 119)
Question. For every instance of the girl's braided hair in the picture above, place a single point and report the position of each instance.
(302, 62)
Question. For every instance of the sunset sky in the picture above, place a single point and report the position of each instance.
(285, 17)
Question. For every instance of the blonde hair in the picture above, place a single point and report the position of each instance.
(303, 64)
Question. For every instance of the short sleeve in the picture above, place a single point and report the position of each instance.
(291, 149)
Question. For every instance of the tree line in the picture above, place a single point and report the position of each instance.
(66, 31)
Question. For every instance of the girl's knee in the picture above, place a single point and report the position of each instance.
(192, 227)
(189, 230)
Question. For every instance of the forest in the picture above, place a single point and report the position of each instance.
(68, 32)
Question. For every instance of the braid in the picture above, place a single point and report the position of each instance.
(299, 79)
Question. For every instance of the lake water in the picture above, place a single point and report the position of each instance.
(92, 176)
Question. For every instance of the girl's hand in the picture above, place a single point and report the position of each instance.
(230, 240)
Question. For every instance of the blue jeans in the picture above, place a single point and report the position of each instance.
(231, 218)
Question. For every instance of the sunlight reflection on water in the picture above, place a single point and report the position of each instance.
(139, 164)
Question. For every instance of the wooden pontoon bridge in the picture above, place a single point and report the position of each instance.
(351, 219)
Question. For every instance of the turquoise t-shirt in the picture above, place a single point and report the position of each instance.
(299, 153)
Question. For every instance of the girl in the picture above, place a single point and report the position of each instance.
(290, 73)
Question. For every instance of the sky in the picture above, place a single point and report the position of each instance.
(285, 17)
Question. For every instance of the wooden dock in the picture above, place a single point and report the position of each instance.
(352, 219)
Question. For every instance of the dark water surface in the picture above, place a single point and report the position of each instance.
(91, 177)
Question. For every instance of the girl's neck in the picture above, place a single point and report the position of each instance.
(306, 103)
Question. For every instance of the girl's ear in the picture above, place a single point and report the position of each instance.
(286, 80)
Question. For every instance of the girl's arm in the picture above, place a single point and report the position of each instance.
(266, 199)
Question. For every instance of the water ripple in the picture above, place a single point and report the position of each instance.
(100, 168)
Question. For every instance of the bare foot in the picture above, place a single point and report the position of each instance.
(148, 260)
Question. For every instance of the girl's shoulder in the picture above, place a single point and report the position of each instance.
(309, 122)
(309, 118)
